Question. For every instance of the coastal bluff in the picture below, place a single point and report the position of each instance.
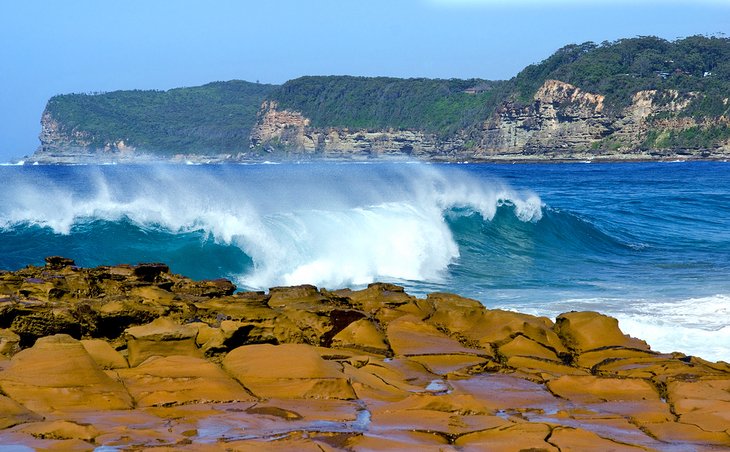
(136, 357)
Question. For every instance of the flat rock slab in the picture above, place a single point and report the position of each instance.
(287, 371)
(177, 380)
(58, 374)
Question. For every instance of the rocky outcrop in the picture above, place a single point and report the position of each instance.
(561, 121)
(156, 360)
(561, 117)
(77, 146)
(564, 121)
(278, 129)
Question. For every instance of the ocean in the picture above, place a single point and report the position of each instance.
(648, 243)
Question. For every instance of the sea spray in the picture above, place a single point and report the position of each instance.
(324, 225)
(646, 243)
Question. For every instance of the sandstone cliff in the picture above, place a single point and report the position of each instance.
(561, 122)
(278, 129)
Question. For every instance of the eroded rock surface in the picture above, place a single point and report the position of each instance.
(137, 357)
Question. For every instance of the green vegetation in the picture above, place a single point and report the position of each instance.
(621, 68)
(213, 118)
(218, 117)
(691, 138)
(430, 105)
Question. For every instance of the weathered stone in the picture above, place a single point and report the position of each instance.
(212, 288)
(61, 430)
(177, 380)
(584, 331)
(408, 335)
(9, 342)
(590, 359)
(568, 438)
(150, 272)
(287, 371)
(103, 354)
(523, 346)
(58, 374)
(58, 262)
(445, 364)
(362, 334)
(525, 436)
(161, 337)
(12, 413)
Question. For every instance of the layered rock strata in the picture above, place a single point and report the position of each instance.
(133, 357)
(562, 122)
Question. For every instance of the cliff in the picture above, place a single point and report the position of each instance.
(135, 357)
(641, 98)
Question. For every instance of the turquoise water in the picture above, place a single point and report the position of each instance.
(646, 242)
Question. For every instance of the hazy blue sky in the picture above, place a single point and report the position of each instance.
(53, 47)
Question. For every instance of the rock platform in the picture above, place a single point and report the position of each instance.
(137, 358)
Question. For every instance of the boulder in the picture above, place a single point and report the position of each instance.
(364, 335)
(584, 331)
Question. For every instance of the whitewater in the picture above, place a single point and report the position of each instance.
(648, 243)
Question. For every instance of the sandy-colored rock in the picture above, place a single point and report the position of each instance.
(61, 430)
(287, 371)
(590, 389)
(590, 359)
(576, 439)
(634, 398)
(377, 296)
(659, 368)
(408, 335)
(524, 436)
(445, 364)
(675, 432)
(104, 355)
(9, 342)
(543, 369)
(58, 374)
(500, 326)
(523, 346)
(400, 440)
(583, 331)
(177, 380)
(162, 337)
(12, 413)
(362, 334)
(704, 403)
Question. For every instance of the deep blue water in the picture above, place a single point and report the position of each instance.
(646, 242)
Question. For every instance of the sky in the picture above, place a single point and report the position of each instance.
(72, 46)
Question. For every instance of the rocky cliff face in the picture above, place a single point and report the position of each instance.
(60, 146)
(284, 129)
(563, 121)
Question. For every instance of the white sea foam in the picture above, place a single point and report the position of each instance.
(694, 326)
(297, 225)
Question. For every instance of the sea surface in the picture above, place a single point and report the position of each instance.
(648, 243)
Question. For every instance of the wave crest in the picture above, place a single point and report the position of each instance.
(323, 224)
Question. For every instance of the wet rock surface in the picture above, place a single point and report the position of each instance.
(134, 357)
